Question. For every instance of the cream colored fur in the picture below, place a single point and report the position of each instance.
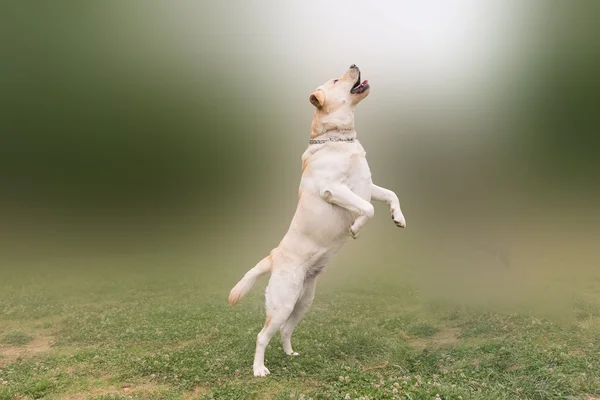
(334, 203)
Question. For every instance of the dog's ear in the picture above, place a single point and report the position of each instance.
(317, 99)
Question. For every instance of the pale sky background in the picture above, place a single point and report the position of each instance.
(424, 46)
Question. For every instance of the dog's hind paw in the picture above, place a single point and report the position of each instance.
(261, 371)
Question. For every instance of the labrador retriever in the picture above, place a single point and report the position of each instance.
(334, 203)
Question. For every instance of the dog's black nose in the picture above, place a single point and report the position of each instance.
(353, 66)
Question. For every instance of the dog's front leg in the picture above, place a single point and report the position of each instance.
(342, 196)
(389, 197)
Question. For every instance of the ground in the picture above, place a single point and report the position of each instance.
(171, 334)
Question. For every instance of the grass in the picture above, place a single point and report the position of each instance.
(16, 338)
(422, 329)
(172, 335)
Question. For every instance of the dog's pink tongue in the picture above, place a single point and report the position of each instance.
(365, 81)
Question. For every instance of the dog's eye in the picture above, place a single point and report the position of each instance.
(335, 80)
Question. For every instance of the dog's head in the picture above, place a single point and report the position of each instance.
(336, 99)
(345, 91)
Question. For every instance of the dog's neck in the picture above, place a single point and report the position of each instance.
(328, 130)
(336, 124)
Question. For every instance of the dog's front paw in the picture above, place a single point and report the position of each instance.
(398, 218)
(354, 233)
(261, 371)
(293, 354)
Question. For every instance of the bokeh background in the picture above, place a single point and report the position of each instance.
(168, 135)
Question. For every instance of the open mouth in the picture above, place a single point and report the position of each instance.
(358, 86)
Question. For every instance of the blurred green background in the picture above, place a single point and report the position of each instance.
(174, 130)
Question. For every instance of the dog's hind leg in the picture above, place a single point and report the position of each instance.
(282, 293)
(302, 306)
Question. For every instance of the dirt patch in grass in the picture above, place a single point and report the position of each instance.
(125, 389)
(443, 337)
(37, 345)
(197, 393)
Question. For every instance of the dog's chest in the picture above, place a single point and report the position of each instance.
(344, 163)
(358, 174)
(358, 168)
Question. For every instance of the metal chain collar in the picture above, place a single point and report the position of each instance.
(332, 139)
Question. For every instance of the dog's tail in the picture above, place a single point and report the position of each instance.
(244, 285)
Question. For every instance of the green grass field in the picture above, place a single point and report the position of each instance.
(143, 334)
